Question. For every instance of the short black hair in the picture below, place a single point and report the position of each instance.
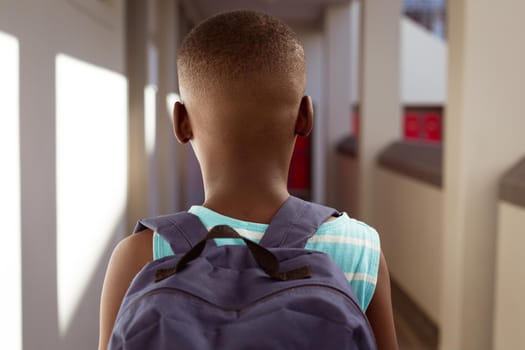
(236, 45)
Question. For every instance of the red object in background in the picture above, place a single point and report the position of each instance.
(432, 127)
(299, 175)
(423, 124)
(355, 121)
(412, 126)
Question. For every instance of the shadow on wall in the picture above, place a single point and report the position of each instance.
(82, 329)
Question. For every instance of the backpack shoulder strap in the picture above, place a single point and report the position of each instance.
(295, 222)
(181, 230)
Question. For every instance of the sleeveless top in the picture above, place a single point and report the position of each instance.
(353, 245)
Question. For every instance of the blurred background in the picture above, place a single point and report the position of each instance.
(419, 131)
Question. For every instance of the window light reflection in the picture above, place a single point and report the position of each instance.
(91, 156)
(10, 255)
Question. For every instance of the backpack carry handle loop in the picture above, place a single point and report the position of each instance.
(268, 262)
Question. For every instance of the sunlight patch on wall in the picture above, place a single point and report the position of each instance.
(91, 157)
(10, 254)
(150, 118)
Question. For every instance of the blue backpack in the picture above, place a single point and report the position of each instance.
(272, 295)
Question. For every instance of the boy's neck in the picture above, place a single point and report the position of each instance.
(246, 199)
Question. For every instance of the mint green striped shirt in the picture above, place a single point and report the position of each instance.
(353, 245)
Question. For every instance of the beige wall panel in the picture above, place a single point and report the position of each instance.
(483, 136)
(509, 309)
(408, 216)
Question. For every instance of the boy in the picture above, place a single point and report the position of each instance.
(242, 80)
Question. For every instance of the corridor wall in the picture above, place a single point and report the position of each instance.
(509, 308)
(509, 313)
(73, 161)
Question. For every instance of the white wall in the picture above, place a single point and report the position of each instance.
(57, 118)
(408, 214)
(423, 65)
(10, 252)
(423, 62)
(509, 309)
(336, 123)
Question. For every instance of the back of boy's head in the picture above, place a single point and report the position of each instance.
(242, 78)
(240, 46)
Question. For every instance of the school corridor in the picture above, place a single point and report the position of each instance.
(419, 130)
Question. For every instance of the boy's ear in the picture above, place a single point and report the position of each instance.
(305, 117)
(181, 123)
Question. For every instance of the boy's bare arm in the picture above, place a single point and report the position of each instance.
(128, 257)
(379, 311)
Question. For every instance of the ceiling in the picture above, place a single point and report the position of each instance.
(300, 12)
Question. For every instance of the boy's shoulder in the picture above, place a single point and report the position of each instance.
(128, 258)
(345, 225)
(133, 252)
